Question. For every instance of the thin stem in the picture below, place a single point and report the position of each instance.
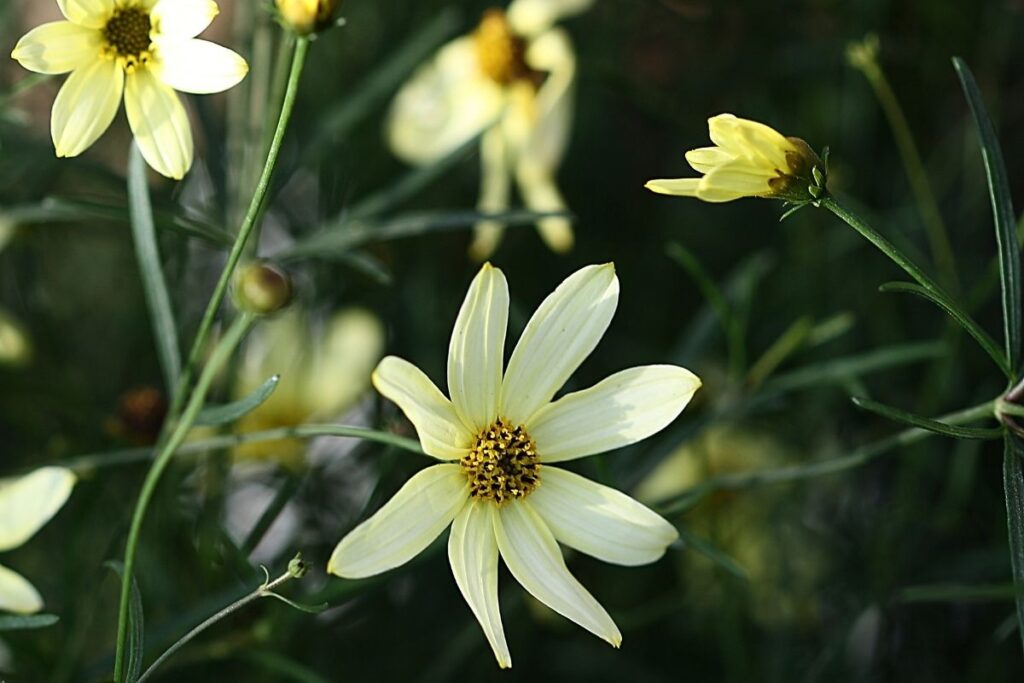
(220, 356)
(251, 217)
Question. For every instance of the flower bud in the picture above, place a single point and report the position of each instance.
(262, 288)
(307, 16)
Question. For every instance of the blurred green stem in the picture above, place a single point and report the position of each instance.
(23, 85)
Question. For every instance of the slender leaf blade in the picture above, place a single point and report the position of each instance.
(25, 622)
(1013, 484)
(213, 415)
(136, 627)
(902, 416)
(709, 551)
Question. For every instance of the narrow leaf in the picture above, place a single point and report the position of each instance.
(709, 551)
(18, 622)
(1013, 484)
(959, 593)
(840, 369)
(136, 627)
(213, 415)
(956, 431)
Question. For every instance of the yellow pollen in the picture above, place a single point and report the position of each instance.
(128, 36)
(502, 465)
(500, 52)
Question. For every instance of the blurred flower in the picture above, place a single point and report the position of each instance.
(140, 416)
(307, 16)
(512, 81)
(143, 49)
(15, 345)
(26, 504)
(323, 373)
(499, 435)
(749, 160)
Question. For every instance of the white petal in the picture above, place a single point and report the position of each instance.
(530, 17)
(560, 335)
(473, 554)
(540, 193)
(160, 124)
(90, 13)
(551, 53)
(85, 106)
(476, 355)
(58, 47)
(620, 410)
(17, 594)
(407, 524)
(199, 66)
(183, 18)
(28, 502)
(533, 557)
(438, 426)
(600, 521)
(495, 187)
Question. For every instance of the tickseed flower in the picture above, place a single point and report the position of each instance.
(306, 16)
(749, 160)
(499, 438)
(510, 81)
(26, 504)
(141, 49)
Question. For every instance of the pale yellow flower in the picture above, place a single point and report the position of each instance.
(510, 81)
(749, 160)
(143, 50)
(306, 16)
(26, 504)
(499, 438)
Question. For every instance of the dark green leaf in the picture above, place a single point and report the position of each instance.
(709, 551)
(959, 593)
(1013, 484)
(936, 426)
(213, 415)
(840, 369)
(136, 626)
(19, 622)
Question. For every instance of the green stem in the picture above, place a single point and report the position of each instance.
(220, 356)
(251, 217)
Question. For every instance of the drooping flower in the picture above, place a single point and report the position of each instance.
(511, 81)
(143, 50)
(749, 159)
(26, 504)
(499, 439)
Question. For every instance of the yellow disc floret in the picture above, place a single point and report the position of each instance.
(500, 52)
(502, 465)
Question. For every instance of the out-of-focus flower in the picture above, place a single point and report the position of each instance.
(499, 437)
(307, 16)
(143, 50)
(511, 81)
(262, 288)
(26, 504)
(324, 370)
(140, 416)
(15, 345)
(749, 160)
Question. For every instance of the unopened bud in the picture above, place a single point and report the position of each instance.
(262, 288)
(307, 16)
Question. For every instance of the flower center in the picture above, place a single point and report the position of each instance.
(500, 52)
(127, 35)
(502, 465)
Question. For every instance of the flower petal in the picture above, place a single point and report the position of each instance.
(560, 335)
(89, 13)
(620, 410)
(495, 186)
(530, 17)
(473, 554)
(682, 187)
(407, 524)
(704, 159)
(552, 107)
(476, 354)
(755, 141)
(85, 106)
(533, 557)
(737, 177)
(199, 66)
(540, 194)
(183, 18)
(17, 594)
(438, 426)
(160, 124)
(28, 502)
(600, 521)
(58, 47)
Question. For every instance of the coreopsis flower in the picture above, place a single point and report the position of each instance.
(143, 50)
(749, 159)
(306, 16)
(511, 82)
(26, 504)
(499, 439)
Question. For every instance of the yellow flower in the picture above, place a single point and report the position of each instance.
(141, 49)
(749, 160)
(26, 504)
(510, 81)
(306, 16)
(499, 438)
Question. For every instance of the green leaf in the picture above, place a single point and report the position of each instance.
(1013, 484)
(136, 626)
(1002, 213)
(213, 415)
(19, 622)
(936, 426)
(965, 321)
(165, 331)
(705, 548)
(960, 593)
(840, 369)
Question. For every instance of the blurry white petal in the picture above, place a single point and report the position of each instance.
(530, 17)
(85, 106)
(532, 555)
(560, 335)
(339, 372)
(28, 502)
(407, 524)
(17, 594)
(90, 13)
(58, 47)
(683, 187)
(473, 554)
(600, 521)
(183, 18)
(160, 124)
(495, 184)
(199, 66)
(552, 54)
(540, 193)
(620, 410)
(438, 426)
(476, 354)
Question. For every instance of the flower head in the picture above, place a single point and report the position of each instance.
(143, 50)
(499, 438)
(306, 16)
(749, 160)
(511, 82)
(26, 504)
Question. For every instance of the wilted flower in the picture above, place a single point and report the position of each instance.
(307, 16)
(143, 49)
(499, 437)
(26, 504)
(511, 80)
